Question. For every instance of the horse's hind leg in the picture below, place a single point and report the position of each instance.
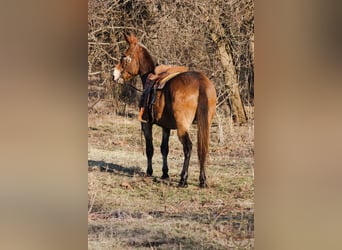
(203, 177)
(147, 129)
(164, 148)
(187, 147)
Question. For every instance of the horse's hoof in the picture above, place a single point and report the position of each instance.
(183, 184)
(164, 176)
(148, 175)
(204, 185)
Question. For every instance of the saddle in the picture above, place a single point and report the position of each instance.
(163, 73)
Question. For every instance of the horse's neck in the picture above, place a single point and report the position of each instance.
(146, 65)
(145, 73)
(144, 77)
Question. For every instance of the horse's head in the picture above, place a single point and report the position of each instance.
(136, 60)
(128, 67)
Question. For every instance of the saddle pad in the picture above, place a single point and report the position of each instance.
(160, 84)
(160, 69)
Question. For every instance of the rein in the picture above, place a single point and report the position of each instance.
(134, 88)
(143, 80)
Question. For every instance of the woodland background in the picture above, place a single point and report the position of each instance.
(212, 36)
(126, 209)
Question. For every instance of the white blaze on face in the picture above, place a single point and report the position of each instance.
(116, 74)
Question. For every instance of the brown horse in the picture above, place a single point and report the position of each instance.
(187, 97)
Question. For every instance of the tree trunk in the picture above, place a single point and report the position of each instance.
(251, 74)
(251, 48)
(231, 79)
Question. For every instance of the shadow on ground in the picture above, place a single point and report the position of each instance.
(115, 168)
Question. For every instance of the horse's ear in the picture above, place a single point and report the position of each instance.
(130, 38)
(126, 35)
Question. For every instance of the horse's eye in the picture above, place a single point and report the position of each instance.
(128, 59)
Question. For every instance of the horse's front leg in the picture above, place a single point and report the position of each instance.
(164, 148)
(147, 129)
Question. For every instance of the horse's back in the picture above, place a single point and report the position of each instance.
(189, 80)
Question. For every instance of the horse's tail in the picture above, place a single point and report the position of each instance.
(203, 126)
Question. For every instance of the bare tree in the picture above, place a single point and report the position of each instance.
(230, 75)
(213, 36)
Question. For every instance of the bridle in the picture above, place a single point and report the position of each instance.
(125, 61)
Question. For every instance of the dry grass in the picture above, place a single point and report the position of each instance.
(130, 211)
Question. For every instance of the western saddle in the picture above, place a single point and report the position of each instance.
(163, 73)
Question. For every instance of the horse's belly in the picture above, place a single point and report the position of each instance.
(162, 113)
(166, 119)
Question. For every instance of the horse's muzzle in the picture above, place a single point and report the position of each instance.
(116, 74)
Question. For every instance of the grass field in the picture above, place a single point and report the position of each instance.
(130, 211)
